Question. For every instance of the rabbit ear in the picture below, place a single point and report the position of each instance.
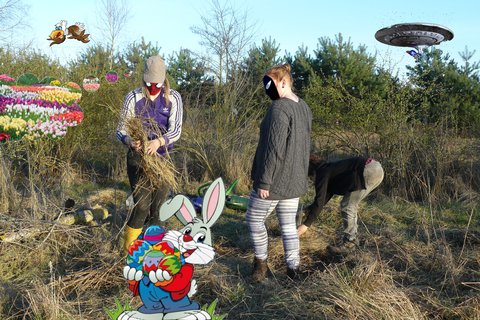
(179, 206)
(213, 202)
(187, 213)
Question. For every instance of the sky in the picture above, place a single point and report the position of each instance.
(168, 23)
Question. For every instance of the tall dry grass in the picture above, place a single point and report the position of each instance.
(36, 173)
(220, 140)
(158, 171)
(7, 193)
(222, 150)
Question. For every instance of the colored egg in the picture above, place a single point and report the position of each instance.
(171, 263)
(151, 261)
(137, 250)
(154, 234)
(133, 264)
(167, 248)
(91, 84)
(111, 76)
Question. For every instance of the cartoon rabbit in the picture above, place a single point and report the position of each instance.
(165, 293)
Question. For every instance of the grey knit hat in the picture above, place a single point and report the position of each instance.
(154, 70)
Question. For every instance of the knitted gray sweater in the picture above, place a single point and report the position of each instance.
(281, 160)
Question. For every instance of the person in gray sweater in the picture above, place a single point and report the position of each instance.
(280, 170)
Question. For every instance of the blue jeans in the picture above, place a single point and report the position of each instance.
(157, 300)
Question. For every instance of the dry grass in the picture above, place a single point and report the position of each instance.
(159, 171)
(224, 148)
(368, 291)
(73, 271)
(6, 196)
(44, 302)
(416, 261)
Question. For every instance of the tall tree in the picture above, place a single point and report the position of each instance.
(302, 68)
(469, 69)
(186, 70)
(445, 92)
(226, 33)
(191, 78)
(339, 61)
(262, 57)
(112, 20)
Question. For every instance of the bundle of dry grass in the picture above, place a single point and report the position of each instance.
(158, 171)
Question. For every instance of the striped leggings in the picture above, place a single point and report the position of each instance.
(257, 212)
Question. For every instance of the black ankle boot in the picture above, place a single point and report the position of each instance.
(294, 274)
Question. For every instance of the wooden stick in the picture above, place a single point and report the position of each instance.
(87, 217)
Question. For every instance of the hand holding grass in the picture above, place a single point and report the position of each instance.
(153, 145)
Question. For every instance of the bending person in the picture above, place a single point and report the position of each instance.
(354, 178)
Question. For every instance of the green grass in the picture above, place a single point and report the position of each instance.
(114, 313)
(210, 309)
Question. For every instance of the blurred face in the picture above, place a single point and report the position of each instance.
(270, 88)
(153, 88)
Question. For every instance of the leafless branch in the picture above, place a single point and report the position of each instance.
(113, 16)
(12, 13)
(226, 33)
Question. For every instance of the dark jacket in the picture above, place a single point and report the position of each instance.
(332, 178)
(281, 159)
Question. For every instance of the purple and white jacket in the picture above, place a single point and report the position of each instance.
(168, 119)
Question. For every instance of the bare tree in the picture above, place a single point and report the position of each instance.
(12, 13)
(225, 32)
(113, 17)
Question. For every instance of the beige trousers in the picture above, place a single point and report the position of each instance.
(373, 174)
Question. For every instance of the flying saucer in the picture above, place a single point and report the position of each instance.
(414, 35)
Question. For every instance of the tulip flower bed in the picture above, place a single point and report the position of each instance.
(38, 111)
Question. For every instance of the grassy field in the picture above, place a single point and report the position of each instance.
(414, 262)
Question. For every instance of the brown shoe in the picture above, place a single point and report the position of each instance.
(260, 270)
(345, 248)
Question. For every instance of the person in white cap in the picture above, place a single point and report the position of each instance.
(163, 108)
